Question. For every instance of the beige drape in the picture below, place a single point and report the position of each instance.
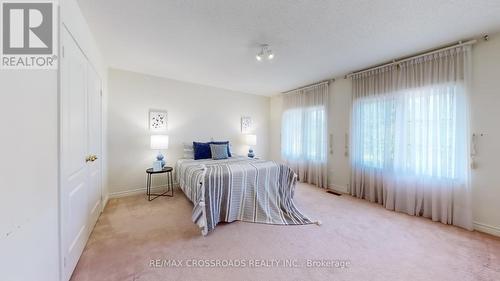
(410, 137)
(304, 133)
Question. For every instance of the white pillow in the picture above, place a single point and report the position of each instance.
(188, 151)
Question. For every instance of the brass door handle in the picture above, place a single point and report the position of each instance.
(91, 158)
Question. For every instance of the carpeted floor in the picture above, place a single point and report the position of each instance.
(372, 243)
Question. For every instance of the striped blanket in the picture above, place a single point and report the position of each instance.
(239, 188)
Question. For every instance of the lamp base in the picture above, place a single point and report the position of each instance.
(250, 153)
(161, 158)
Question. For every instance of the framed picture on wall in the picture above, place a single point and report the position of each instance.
(158, 121)
(246, 124)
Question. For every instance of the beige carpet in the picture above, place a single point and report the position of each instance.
(377, 244)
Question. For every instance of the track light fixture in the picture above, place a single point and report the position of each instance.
(265, 52)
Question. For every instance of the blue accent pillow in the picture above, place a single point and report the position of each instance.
(219, 151)
(201, 150)
(223, 142)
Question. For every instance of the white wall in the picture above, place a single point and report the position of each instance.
(485, 107)
(485, 111)
(195, 113)
(29, 207)
(28, 175)
(338, 161)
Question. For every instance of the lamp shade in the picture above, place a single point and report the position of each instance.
(251, 139)
(159, 142)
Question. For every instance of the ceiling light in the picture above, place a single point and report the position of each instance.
(265, 51)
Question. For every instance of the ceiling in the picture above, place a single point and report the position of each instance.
(214, 42)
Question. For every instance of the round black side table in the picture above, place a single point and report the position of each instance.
(170, 183)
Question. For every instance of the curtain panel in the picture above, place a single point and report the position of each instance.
(304, 133)
(410, 148)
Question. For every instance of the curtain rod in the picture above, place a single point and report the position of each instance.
(311, 85)
(418, 55)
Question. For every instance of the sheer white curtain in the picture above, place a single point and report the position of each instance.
(304, 133)
(410, 137)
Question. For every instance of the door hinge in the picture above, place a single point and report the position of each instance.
(63, 51)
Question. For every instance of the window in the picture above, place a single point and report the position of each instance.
(303, 134)
(376, 127)
(431, 131)
(412, 132)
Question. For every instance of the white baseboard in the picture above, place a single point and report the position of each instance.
(130, 192)
(338, 188)
(481, 227)
(105, 202)
(136, 191)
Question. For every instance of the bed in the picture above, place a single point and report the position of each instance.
(239, 189)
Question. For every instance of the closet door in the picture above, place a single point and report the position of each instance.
(74, 183)
(94, 145)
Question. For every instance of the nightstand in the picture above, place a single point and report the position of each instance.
(170, 182)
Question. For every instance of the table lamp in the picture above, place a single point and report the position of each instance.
(251, 140)
(159, 142)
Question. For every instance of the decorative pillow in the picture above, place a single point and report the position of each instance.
(201, 150)
(219, 151)
(224, 142)
(188, 151)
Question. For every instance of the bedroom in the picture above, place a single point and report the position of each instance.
(304, 140)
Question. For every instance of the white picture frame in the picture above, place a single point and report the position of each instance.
(246, 124)
(158, 121)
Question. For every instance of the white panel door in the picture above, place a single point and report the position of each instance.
(94, 144)
(74, 151)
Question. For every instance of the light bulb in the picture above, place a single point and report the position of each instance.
(258, 57)
(270, 56)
